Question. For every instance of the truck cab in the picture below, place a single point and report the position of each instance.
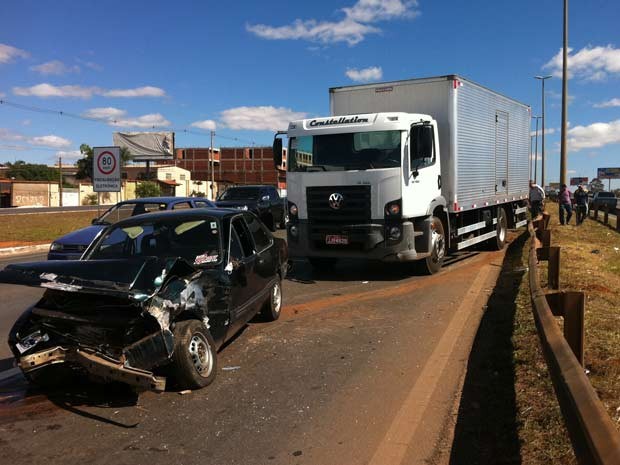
(364, 186)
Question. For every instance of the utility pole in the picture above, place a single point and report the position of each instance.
(542, 171)
(564, 97)
(60, 183)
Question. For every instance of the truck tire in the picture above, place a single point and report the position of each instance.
(273, 305)
(498, 242)
(322, 263)
(433, 263)
(194, 360)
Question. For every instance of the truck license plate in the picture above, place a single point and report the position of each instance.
(336, 239)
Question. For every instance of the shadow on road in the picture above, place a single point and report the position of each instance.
(486, 429)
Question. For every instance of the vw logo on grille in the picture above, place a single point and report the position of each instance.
(336, 200)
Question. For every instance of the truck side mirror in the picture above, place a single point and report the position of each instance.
(277, 151)
(421, 144)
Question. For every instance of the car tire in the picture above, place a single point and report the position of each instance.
(51, 377)
(433, 263)
(322, 263)
(194, 360)
(499, 241)
(273, 306)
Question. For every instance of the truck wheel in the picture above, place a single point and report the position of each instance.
(273, 306)
(499, 241)
(322, 263)
(432, 264)
(194, 360)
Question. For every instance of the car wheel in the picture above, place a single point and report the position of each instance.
(322, 263)
(433, 263)
(194, 360)
(498, 242)
(273, 306)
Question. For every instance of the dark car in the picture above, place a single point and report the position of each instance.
(153, 295)
(262, 200)
(71, 246)
(600, 199)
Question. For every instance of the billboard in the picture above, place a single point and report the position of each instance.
(577, 181)
(146, 145)
(608, 173)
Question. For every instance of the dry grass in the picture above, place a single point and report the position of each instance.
(25, 229)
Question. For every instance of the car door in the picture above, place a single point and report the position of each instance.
(277, 207)
(243, 275)
(265, 265)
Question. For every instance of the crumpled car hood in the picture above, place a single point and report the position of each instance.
(119, 277)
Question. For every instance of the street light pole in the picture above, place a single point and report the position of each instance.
(542, 170)
(536, 150)
(564, 96)
(212, 161)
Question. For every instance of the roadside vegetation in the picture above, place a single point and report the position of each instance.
(41, 228)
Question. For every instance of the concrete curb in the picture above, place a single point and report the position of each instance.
(23, 250)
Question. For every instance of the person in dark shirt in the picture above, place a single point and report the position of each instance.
(581, 204)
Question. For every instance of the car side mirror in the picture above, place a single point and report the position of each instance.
(94, 221)
(277, 151)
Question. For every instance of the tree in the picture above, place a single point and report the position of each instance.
(148, 189)
(85, 164)
(31, 171)
(597, 185)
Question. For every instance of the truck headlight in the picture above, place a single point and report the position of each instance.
(56, 247)
(294, 231)
(395, 233)
(292, 209)
(393, 209)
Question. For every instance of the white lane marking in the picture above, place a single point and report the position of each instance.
(9, 373)
(394, 445)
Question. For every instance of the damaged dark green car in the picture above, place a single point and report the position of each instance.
(153, 298)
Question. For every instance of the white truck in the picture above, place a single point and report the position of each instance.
(407, 170)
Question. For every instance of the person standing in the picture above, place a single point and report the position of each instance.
(537, 195)
(565, 205)
(581, 204)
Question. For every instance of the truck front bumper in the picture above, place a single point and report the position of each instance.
(369, 241)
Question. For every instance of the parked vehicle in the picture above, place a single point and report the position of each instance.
(406, 171)
(600, 199)
(262, 200)
(71, 246)
(153, 294)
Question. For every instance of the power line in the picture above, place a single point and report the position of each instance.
(110, 121)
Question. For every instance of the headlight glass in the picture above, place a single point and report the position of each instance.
(56, 247)
(293, 210)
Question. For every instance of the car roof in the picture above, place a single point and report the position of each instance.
(164, 199)
(191, 214)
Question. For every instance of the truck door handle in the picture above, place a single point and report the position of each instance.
(439, 181)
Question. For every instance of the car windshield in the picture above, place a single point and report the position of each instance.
(196, 240)
(125, 210)
(240, 193)
(349, 151)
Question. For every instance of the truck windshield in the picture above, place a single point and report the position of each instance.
(349, 151)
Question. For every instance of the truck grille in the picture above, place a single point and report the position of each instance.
(355, 208)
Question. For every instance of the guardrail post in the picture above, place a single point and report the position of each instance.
(596, 213)
(571, 306)
(617, 213)
(552, 255)
(606, 215)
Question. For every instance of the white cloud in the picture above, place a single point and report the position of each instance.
(589, 63)
(264, 118)
(46, 90)
(571, 172)
(352, 29)
(614, 102)
(104, 113)
(208, 125)
(547, 131)
(146, 91)
(2, 94)
(595, 135)
(152, 120)
(9, 53)
(69, 156)
(56, 142)
(55, 67)
(90, 64)
(373, 73)
(7, 134)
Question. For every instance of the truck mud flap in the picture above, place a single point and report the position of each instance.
(95, 364)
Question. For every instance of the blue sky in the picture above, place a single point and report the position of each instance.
(245, 68)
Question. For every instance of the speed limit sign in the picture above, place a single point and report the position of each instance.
(106, 169)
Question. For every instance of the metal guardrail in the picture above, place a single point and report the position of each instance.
(593, 435)
(606, 211)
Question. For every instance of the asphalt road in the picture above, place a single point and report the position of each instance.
(364, 367)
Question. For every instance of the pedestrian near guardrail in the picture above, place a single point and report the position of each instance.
(536, 198)
(565, 205)
(581, 204)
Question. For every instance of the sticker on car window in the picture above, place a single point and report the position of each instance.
(206, 258)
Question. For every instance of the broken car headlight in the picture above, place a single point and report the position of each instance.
(56, 247)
